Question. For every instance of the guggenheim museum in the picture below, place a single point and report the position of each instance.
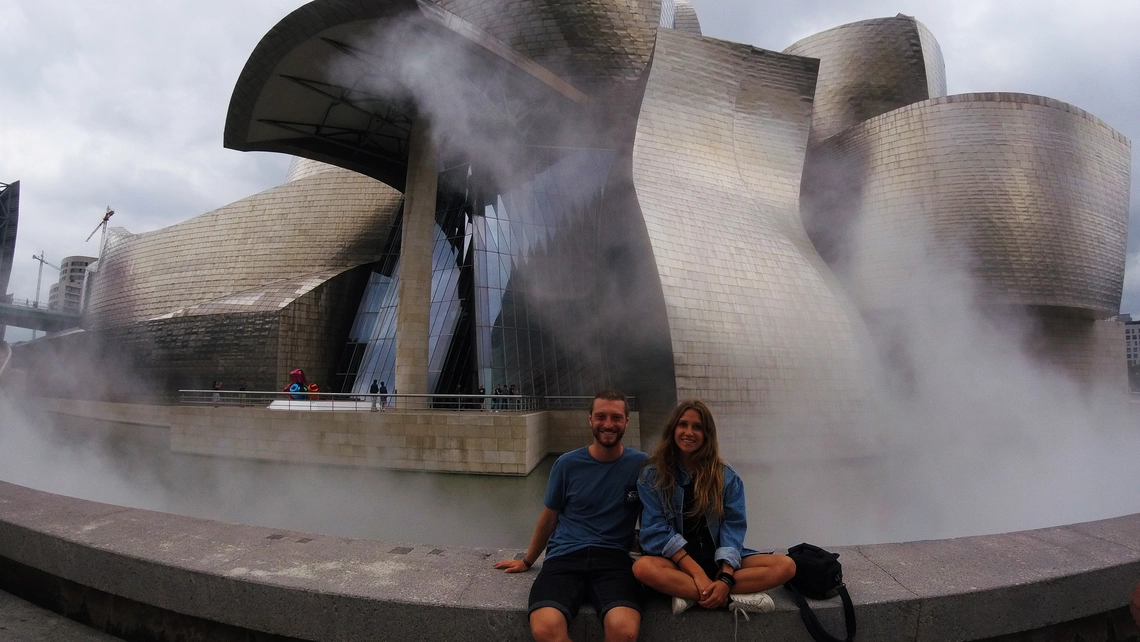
(561, 196)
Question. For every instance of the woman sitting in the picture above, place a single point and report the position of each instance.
(693, 523)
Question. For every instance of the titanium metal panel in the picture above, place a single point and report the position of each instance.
(1027, 193)
(301, 233)
(685, 18)
(340, 81)
(590, 43)
(759, 326)
(9, 220)
(868, 68)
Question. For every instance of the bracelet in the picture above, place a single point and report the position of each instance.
(525, 561)
(678, 562)
(727, 578)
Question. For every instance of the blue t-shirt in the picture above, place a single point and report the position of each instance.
(597, 502)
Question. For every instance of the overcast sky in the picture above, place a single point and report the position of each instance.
(123, 102)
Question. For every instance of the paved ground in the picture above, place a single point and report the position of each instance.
(22, 621)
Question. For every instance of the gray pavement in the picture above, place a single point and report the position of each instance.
(22, 621)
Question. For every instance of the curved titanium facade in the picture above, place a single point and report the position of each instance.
(341, 82)
(869, 68)
(1028, 193)
(716, 166)
(595, 223)
(250, 290)
(590, 43)
(333, 221)
(304, 168)
(9, 222)
(685, 18)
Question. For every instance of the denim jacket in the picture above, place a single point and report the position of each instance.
(661, 526)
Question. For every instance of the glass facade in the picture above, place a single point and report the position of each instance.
(509, 265)
(668, 13)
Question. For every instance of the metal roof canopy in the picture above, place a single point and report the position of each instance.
(341, 82)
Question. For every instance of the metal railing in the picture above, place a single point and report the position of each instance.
(27, 303)
(357, 402)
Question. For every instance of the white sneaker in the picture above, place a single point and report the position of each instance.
(751, 603)
(680, 605)
(745, 603)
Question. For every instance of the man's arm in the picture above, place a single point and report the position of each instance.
(542, 532)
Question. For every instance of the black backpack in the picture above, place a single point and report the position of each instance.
(819, 575)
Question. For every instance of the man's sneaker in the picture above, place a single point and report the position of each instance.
(750, 603)
(680, 605)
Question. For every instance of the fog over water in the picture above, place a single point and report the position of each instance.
(934, 483)
(133, 466)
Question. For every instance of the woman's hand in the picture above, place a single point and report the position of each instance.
(714, 595)
(703, 583)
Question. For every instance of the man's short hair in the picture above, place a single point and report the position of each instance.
(609, 394)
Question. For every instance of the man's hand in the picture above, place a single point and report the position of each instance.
(714, 595)
(512, 566)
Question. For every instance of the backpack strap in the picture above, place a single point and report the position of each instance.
(811, 621)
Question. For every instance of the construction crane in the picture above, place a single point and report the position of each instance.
(102, 225)
(39, 279)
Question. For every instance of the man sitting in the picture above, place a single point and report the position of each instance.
(587, 528)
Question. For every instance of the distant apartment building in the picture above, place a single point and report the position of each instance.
(67, 295)
(1132, 339)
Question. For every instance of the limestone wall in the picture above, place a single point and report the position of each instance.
(497, 443)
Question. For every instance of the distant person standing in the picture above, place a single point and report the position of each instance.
(497, 401)
(482, 397)
(217, 396)
(374, 390)
(242, 388)
(383, 395)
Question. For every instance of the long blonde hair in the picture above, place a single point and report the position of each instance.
(708, 467)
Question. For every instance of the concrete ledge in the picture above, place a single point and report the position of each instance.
(318, 587)
(496, 443)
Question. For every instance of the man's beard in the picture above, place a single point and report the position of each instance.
(608, 439)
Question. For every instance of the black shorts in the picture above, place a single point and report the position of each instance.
(604, 575)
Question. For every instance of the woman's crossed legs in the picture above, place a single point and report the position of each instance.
(758, 572)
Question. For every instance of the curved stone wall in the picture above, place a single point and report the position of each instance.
(326, 223)
(868, 68)
(752, 308)
(136, 570)
(1028, 194)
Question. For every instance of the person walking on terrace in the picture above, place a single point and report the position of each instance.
(586, 528)
(374, 392)
(693, 523)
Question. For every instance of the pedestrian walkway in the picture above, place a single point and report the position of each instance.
(22, 621)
